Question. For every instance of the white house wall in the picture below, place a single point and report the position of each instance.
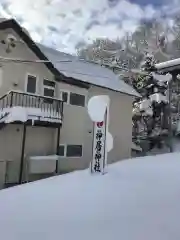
(17, 72)
(39, 141)
(80, 129)
(75, 129)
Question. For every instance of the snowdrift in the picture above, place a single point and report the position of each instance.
(138, 199)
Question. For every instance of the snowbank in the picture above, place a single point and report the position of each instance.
(138, 199)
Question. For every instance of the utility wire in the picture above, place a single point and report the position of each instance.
(24, 61)
(18, 60)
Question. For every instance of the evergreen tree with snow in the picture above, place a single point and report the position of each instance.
(150, 113)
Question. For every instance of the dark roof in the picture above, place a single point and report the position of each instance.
(70, 69)
(87, 72)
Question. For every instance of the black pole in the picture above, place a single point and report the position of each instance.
(170, 85)
(11, 99)
(105, 152)
(22, 154)
(57, 146)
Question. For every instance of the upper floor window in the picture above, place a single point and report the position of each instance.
(31, 84)
(49, 88)
(77, 99)
(65, 96)
(73, 98)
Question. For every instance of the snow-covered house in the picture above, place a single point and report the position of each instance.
(43, 107)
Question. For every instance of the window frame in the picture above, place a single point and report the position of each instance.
(68, 99)
(80, 95)
(74, 145)
(63, 145)
(26, 82)
(49, 87)
(68, 93)
(65, 150)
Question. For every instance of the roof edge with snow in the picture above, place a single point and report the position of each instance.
(169, 66)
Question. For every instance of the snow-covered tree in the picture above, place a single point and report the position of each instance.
(150, 113)
(128, 52)
(133, 59)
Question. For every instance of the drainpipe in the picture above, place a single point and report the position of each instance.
(22, 154)
(57, 147)
(61, 106)
(170, 136)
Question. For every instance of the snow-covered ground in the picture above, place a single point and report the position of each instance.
(138, 199)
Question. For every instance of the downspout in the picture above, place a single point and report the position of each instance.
(57, 147)
(170, 136)
(61, 106)
(22, 154)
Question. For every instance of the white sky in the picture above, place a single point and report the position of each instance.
(70, 19)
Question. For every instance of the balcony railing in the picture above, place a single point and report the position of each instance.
(37, 107)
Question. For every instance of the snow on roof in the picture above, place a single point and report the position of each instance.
(162, 78)
(24, 113)
(135, 147)
(159, 97)
(42, 158)
(135, 200)
(86, 71)
(168, 64)
(41, 164)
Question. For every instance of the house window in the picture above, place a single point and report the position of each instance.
(61, 151)
(65, 96)
(74, 151)
(31, 84)
(48, 92)
(49, 88)
(73, 98)
(77, 99)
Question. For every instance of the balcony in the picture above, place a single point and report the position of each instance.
(18, 106)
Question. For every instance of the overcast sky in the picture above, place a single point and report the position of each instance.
(65, 24)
